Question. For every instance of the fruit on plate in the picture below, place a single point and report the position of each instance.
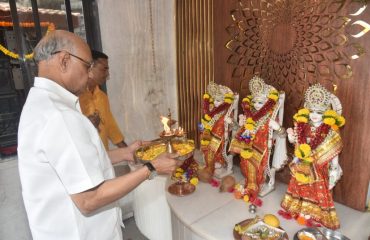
(306, 236)
(271, 220)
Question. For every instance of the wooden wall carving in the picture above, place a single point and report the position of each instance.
(293, 44)
(195, 59)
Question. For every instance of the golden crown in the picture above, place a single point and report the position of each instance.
(217, 91)
(258, 87)
(317, 98)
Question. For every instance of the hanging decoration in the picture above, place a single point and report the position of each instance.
(50, 27)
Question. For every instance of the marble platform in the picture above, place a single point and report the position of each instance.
(211, 215)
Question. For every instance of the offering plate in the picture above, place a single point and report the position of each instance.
(252, 225)
(182, 146)
(320, 233)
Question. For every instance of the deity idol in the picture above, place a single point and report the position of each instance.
(315, 168)
(260, 130)
(220, 106)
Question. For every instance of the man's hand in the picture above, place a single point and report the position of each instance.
(126, 153)
(165, 163)
(131, 148)
(121, 144)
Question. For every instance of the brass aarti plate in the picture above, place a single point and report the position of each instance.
(183, 147)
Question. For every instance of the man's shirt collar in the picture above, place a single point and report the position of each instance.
(67, 97)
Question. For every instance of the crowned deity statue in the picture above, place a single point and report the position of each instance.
(220, 109)
(315, 168)
(260, 132)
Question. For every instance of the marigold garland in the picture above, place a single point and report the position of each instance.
(331, 120)
(246, 153)
(302, 178)
(204, 142)
(254, 116)
(249, 124)
(303, 151)
(50, 27)
(187, 172)
(194, 181)
(302, 115)
(209, 112)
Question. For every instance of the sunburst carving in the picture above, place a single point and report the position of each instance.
(295, 43)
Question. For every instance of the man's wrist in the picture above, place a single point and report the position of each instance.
(147, 172)
(152, 170)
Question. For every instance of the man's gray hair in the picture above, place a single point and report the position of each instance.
(50, 44)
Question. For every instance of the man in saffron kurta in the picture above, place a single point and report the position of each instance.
(95, 104)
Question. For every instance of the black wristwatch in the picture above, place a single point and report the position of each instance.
(153, 172)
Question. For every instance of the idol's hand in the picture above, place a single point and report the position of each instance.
(242, 120)
(291, 135)
(274, 125)
(228, 120)
(166, 163)
(335, 172)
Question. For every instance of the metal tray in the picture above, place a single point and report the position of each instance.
(328, 233)
(248, 221)
(163, 143)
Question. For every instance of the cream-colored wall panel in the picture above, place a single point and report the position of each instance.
(137, 95)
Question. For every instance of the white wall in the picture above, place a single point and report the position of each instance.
(137, 96)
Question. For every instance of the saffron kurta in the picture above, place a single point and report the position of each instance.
(97, 101)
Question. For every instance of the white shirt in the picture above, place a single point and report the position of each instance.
(60, 153)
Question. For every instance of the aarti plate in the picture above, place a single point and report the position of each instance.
(318, 233)
(252, 224)
(185, 149)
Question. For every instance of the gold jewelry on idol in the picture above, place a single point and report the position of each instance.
(258, 87)
(217, 91)
(318, 98)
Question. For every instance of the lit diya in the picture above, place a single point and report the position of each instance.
(172, 140)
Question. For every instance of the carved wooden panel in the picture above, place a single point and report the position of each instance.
(293, 44)
(194, 60)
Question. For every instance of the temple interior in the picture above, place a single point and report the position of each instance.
(264, 101)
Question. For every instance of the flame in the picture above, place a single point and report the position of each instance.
(165, 122)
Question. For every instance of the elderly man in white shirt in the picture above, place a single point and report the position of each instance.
(68, 183)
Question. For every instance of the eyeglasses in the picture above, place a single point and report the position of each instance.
(88, 64)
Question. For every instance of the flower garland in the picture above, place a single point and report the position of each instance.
(303, 150)
(187, 172)
(209, 108)
(212, 114)
(50, 27)
(255, 119)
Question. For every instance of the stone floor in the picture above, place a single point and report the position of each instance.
(131, 232)
(13, 218)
